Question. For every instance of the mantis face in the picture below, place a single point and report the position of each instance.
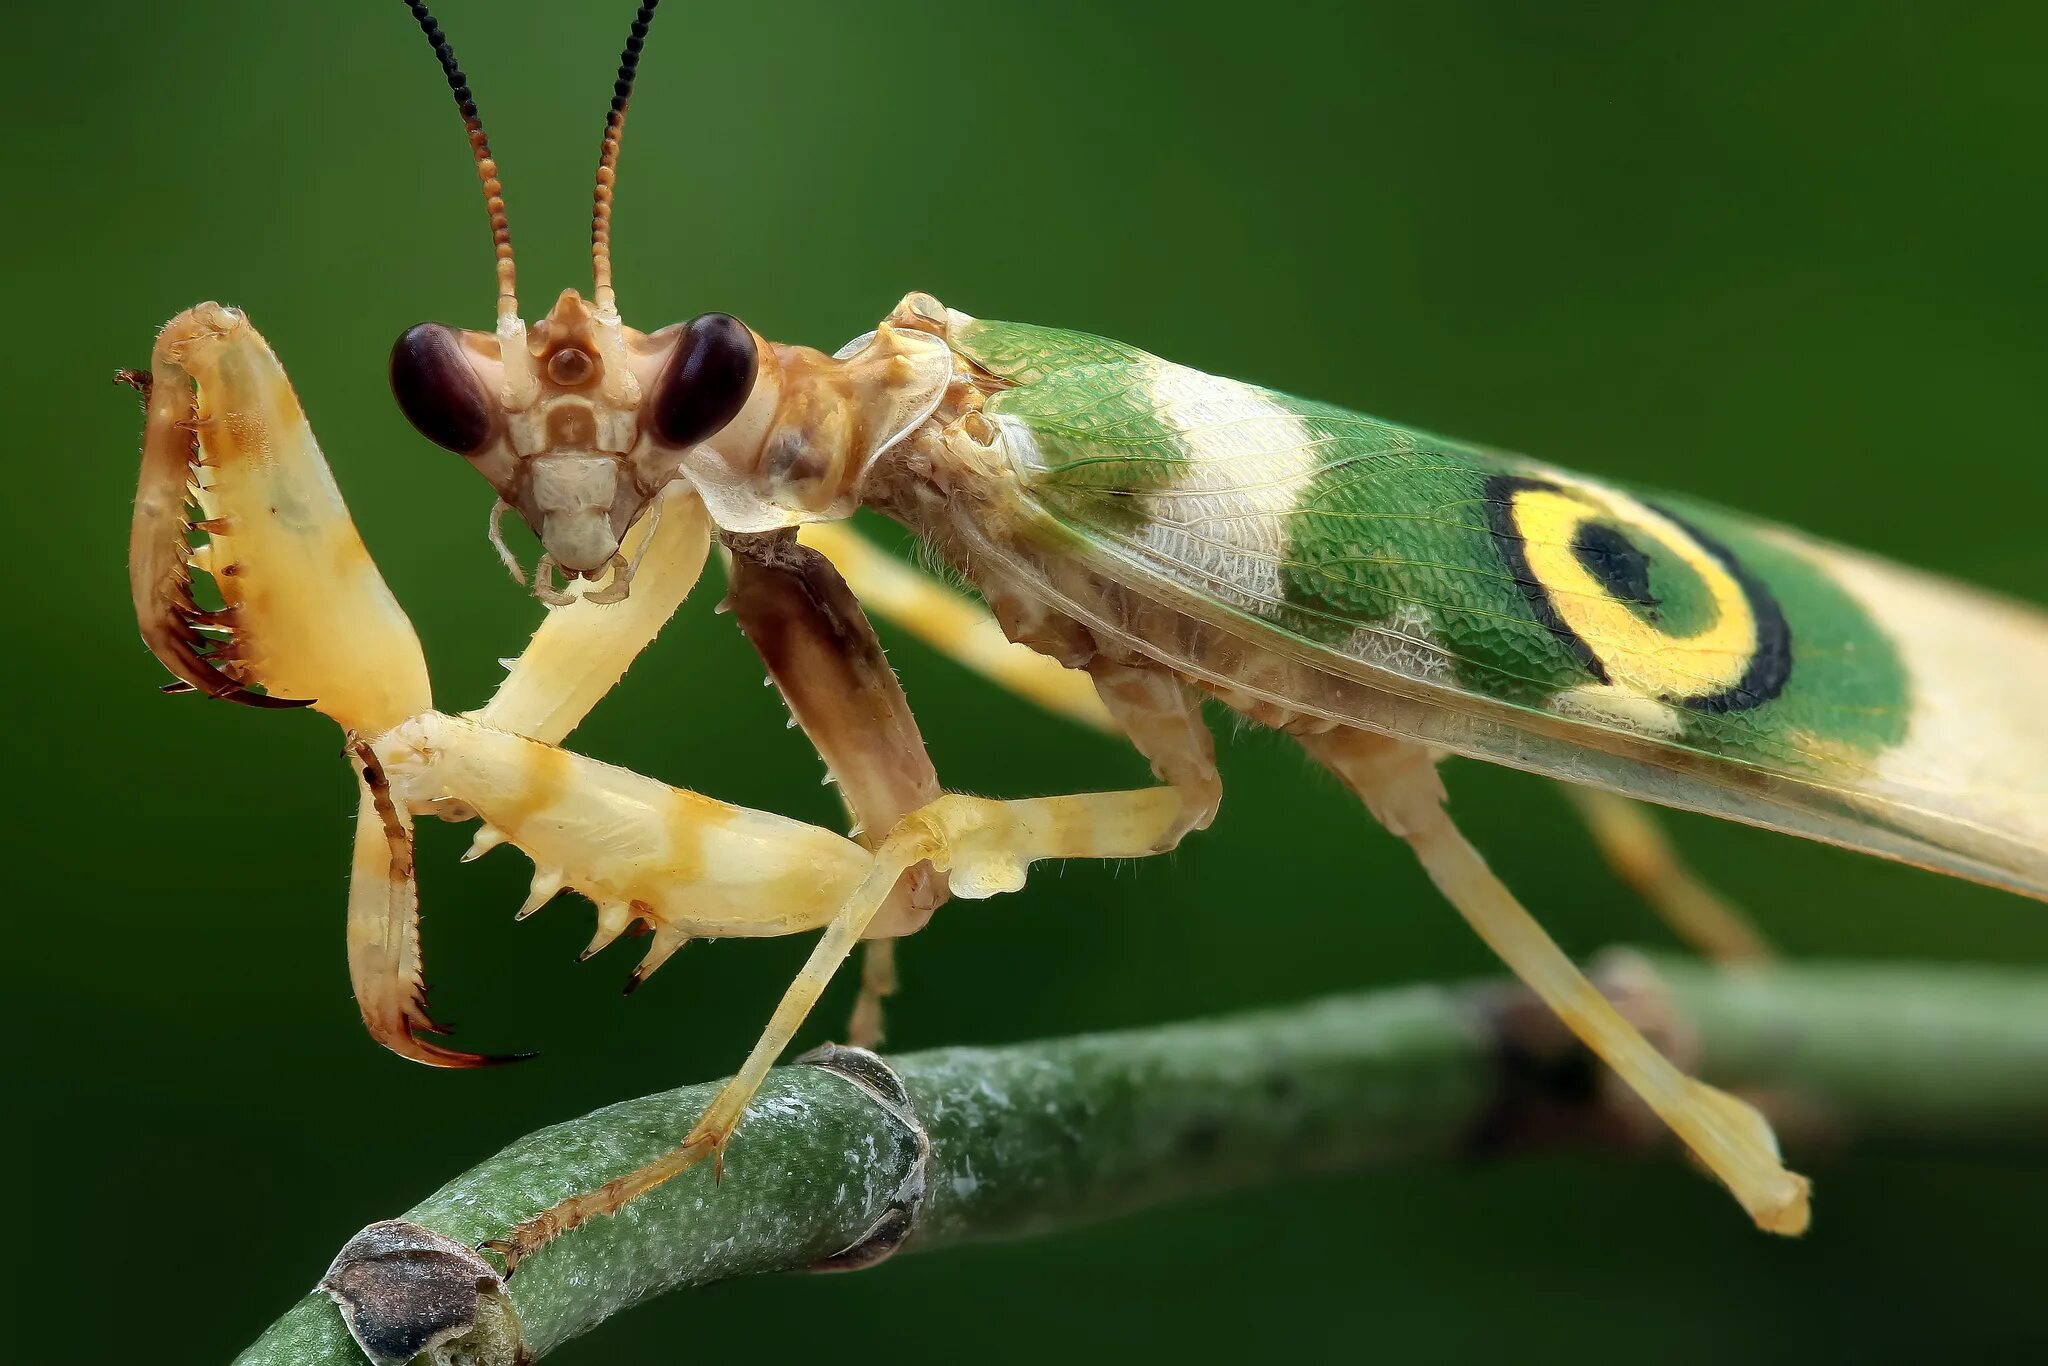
(580, 422)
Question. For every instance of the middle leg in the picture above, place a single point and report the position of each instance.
(809, 628)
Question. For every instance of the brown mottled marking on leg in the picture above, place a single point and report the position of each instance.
(395, 832)
(821, 652)
(159, 560)
(548, 772)
(245, 434)
(313, 618)
(384, 929)
(954, 624)
(687, 813)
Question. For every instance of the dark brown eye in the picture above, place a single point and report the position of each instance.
(438, 392)
(706, 381)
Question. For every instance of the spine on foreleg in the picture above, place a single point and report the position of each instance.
(684, 864)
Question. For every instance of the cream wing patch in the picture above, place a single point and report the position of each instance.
(1976, 746)
(1224, 520)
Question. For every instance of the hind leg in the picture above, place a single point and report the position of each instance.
(1398, 783)
(1636, 847)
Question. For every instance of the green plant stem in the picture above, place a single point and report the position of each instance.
(1040, 1136)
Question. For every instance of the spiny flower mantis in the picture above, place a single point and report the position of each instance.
(1157, 536)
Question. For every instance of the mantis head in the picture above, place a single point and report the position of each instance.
(580, 421)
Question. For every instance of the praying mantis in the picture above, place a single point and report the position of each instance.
(1146, 539)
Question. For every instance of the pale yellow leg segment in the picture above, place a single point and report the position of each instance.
(984, 847)
(1641, 854)
(384, 926)
(304, 611)
(954, 624)
(1147, 705)
(1398, 782)
(1162, 718)
(688, 865)
(583, 647)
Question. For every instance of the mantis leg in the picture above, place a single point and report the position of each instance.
(304, 613)
(955, 625)
(1162, 718)
(688, 866)
(583, 647)
(822, 655)
(1398, 782)
(809, 628)
(984, 847)
(1641, 854)
(1158, 714)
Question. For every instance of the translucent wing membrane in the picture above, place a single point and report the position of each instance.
(1337, 565)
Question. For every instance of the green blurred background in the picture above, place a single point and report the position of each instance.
(1784, 257)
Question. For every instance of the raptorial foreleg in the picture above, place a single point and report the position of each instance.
(304, 613)
(584, 646)
(983, 847)
(822, 655)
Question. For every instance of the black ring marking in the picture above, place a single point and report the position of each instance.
(1770, 666)
(1622, 567)
(1500, 519)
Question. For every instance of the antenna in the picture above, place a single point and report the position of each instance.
(480, 148)
(608, 161)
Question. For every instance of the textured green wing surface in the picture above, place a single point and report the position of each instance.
(1530, 616)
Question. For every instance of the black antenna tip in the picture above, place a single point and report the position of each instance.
(457, 82)
(480, 147)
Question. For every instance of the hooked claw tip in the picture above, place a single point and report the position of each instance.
(489, 1059)
(506, 1250)
(409, 1042)
(254, 699)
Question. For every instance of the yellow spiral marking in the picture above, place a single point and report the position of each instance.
(1638, 655)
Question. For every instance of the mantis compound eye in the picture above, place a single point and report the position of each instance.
(439, 392)
(706, 381)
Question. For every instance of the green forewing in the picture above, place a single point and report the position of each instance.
(1485, 576)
